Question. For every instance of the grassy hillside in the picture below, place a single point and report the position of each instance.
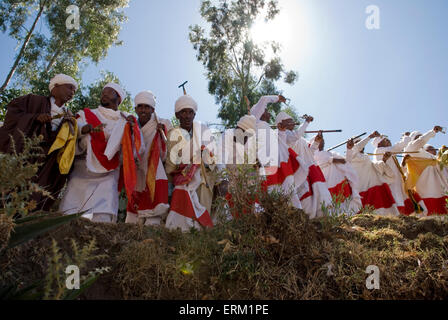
(278, 254)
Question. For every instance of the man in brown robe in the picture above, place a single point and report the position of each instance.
(31, 115)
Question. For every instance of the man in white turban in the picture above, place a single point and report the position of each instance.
(373, 177)
(342, 179)
(93, 184)
(35, 115)
(150, 198)
(236, 151)
(282, 168)
(425, 177)
(383, 145)
(190, 166)
(313, 193)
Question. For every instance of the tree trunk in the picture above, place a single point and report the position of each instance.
(53, 59)
(22, 50)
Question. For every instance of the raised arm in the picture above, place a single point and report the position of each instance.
(258, 109)
(419, 143)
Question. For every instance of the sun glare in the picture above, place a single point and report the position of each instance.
(289, 29)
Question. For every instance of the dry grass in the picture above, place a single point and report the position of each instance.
(274, 254)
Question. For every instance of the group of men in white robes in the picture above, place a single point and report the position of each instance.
(182, 163)
(171, 174)
(356, 182)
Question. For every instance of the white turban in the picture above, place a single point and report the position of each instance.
(145, 97)
(117, 89)
(247, 122)
(377, 141)
(62, 79)
(282, 116)
(185, 102)
(414, 134)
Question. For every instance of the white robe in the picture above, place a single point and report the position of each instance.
(189, 192)
(336, 174)
(91, 187)
(312, 194)
(396, 183)
(372, 176)
(432, 185)
(153, 216)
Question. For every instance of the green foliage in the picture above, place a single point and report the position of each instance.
(236, 66)
(26, 232)
(86, 96)
(59, 49)
(20, 224)
(55, 286)
(90, 96)
(5, 98)
(16, 186)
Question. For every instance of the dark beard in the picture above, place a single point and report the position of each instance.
(105, 104)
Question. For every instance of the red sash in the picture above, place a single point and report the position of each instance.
(99, 143)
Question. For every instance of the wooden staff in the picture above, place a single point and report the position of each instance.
(393, 153)
(162, 133)
(344, 143)
(324, 131)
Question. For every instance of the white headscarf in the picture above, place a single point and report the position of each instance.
(145, 97)
(185, 102)
(247, 122)
(62, 79)
(117, 89)
(282, 116)
(377, 141)
(414, 134)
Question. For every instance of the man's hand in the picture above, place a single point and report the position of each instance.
(161, 126)
(374, 135)
(130, 119)
(339, 161)
(87, 129)
(387, 156)
(350, 144)
(438, 129)
(319, 137)
(405, 159)
(44, 118)
(281, 99)
(308, 118)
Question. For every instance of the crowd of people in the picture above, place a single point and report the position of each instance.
(88, 158)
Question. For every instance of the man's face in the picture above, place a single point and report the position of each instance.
(240, 133)
(432, 150)
(144, 112)
(322, 145)
(288, 124)
(63, 92)
(186, 117)
(110, 99)
(385, 143)
(266, 116)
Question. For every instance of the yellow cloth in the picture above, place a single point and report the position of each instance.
(415, 167)
(66, 143)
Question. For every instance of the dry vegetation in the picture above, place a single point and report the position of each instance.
(274, 254)
(278, 254)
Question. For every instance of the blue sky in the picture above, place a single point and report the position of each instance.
(393, 79)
